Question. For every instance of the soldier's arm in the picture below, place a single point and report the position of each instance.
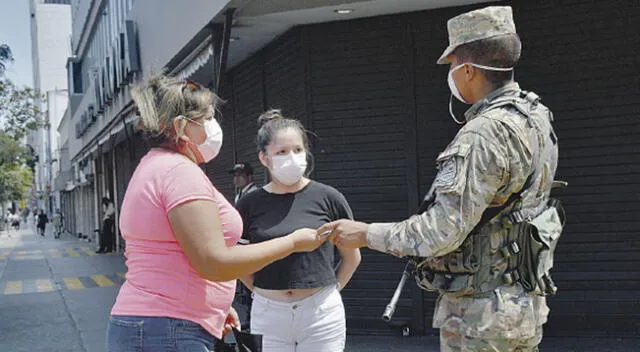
(471, 172)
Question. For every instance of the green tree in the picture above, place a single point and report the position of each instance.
(5, 57)
(16, 177)
(18, 109)
(19, 113)
(15, 183)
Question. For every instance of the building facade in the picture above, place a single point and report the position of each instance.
(51, 46)
(362, 77)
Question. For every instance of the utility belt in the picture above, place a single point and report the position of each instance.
(518, 248)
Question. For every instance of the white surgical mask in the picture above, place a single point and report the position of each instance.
(452, 84)
(211, 146)
(290, 168)
(456, 92)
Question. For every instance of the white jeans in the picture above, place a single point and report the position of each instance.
(314, 324)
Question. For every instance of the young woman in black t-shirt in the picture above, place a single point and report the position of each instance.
(297, 304)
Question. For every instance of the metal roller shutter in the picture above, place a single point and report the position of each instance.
(576, 56)
(378, 103)
(567, 51)
(435, 128)
(359, 112)
(218, 167)
(248, 104)
(284, 75)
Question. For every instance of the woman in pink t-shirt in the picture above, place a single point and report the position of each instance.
(181, 232)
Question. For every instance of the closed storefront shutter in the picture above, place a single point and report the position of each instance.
(218, 168)
(568, 59)
(372, 93)
(284, 76)
(435, 127)
(576, 56)
(359, 114)
(248, 104)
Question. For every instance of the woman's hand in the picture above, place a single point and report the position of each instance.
(347, 233)
(306, 240)
(232, 321)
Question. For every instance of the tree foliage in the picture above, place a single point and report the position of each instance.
(16, 178)
(18, 109)
(6, 57)
(15, 183)
(19, 113)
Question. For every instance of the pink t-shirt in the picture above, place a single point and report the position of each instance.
(160, 280)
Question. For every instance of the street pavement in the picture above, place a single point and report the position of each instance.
(55, 295)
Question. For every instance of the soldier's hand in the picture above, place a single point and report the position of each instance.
(346, 233)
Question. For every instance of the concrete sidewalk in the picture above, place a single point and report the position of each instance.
(56, 295)
(360, 343)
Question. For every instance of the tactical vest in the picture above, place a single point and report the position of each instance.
(515, 242)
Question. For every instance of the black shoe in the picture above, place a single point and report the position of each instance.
(100, 251)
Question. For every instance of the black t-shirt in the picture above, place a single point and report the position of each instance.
(267, 215)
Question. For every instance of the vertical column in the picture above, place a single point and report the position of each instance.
(96, 202)
(83, 218)
(115, 199)
(411, 147)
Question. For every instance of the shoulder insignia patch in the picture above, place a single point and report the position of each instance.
(447, 173)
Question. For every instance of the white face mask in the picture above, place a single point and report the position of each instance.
(456, 92)
(290, 168)
(210, 148)
(452, 84)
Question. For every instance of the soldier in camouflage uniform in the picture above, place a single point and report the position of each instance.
(490, 197)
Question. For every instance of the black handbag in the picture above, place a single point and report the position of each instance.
(244, 342)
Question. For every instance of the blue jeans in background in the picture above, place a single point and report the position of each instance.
(142, 334)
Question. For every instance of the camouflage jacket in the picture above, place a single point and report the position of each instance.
(490, 159)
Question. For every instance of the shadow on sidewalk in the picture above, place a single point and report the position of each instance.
(362, 343)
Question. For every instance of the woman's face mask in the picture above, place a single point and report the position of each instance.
(289, 168)
(212, 144)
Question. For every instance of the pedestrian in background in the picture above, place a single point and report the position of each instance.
(297, 304)
(15, 221)
(57, 224)
(180, 232)
(43, 219)
(243, 180)
(107, 235)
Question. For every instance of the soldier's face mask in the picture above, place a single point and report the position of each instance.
(456, 92)
(452, 84)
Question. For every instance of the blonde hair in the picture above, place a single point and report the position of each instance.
(161, 99)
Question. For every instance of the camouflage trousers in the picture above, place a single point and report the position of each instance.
(452, 342)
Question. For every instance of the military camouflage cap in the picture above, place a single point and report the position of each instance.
(479, 24)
